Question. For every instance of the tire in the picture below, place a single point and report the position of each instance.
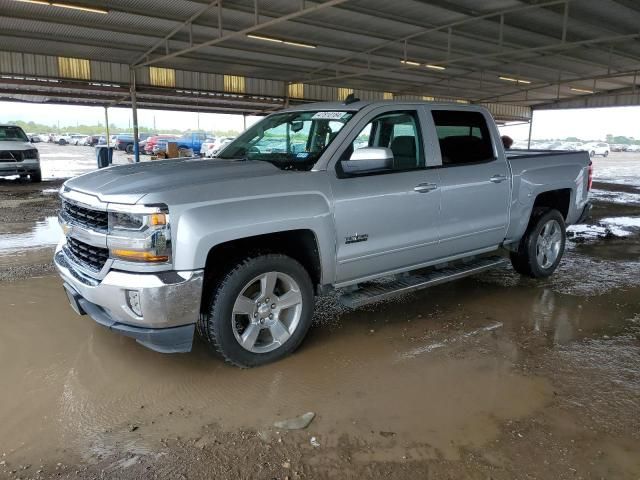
(129, 148)
(242, 289)
(36, 177)
(540, 250)
(592, 153)
(606, 153)
(62, 142)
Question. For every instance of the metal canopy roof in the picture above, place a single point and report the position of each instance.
(539, 54)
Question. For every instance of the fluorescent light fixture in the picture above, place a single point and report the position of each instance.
(79, 7)
(435, 67)
(409, 62)
(66, 5)
(38, 2)
(278, 40)
(298, 44)
(266, 39)
(581, 90)
(515, 80)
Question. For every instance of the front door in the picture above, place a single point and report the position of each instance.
(386, 220)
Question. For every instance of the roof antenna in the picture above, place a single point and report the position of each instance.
(351, 98)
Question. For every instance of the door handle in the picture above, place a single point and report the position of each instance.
(425, 187)
(498, 178)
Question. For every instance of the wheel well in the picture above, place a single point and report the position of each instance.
(557, 199)
(300, 245)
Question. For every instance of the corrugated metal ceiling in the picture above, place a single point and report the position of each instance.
(518, 41)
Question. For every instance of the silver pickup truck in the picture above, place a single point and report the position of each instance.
(370, 198)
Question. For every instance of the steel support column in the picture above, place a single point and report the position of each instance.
(530, 129)
(134, 109)
(106, 122)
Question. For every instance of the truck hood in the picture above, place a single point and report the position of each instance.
(129, 183)
(15, 145)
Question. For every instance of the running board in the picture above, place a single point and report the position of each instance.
(375, 292)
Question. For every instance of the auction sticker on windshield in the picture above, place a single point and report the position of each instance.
(328, 115)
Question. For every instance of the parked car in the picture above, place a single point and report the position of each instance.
(600, 148)
(633, 148)
(62, 139)
(153, 140)
(241, 244)
(124, 141)
(18, 156)
(77, 139)
(211, 148)
(92, 140)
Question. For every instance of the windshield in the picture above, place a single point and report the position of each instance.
(12, 134)
(292, 140)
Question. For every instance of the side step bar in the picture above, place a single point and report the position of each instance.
(375, 292)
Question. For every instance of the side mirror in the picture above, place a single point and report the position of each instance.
(368, 159)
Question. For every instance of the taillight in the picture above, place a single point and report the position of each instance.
(590, 176)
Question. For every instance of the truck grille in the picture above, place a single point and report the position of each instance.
(11, 156)
(87, 255)
(87, 217)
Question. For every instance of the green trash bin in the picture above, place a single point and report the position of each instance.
(104, 155)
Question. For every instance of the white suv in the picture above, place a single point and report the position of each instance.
(598, 149)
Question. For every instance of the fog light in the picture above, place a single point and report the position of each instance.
(133, 300)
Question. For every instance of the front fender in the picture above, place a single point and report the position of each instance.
(202, 227)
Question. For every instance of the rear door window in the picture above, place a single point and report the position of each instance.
(464, 137)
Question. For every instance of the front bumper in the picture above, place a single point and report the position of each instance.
(170, 303)
(25, 167)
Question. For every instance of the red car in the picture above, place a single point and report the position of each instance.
(151, 141)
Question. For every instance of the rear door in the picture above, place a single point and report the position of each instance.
(386, 220)
(475, 181)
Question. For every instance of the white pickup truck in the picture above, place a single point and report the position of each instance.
(316, 197)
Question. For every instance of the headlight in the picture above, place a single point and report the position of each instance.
(31, 154)
(139, 233)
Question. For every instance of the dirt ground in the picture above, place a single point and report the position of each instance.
(490, 377)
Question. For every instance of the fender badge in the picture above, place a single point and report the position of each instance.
(356, 238)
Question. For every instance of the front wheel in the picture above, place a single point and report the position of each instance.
(606, 153)
(36, 177)
(260, 310)
(542, 246)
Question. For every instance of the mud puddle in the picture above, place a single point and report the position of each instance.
(21, 236)
(79, 391)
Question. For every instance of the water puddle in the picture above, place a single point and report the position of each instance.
(624, 198)
(22, 236)
(609, 227)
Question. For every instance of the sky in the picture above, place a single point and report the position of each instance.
(69, 115)
(587, 124)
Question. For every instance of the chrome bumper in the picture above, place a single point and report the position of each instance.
(170, 303)
(19, 168)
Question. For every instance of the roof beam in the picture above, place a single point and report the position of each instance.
(428, 30)
(502, 53)
(170, 35)
(240, 33)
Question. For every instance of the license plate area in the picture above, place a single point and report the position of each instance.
(73, 298)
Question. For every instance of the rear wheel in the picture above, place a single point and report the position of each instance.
(542, 246)
(592, 153)
(260, 310)
(129, 148)
(606, 153)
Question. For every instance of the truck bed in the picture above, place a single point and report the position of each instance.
(514, 154)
